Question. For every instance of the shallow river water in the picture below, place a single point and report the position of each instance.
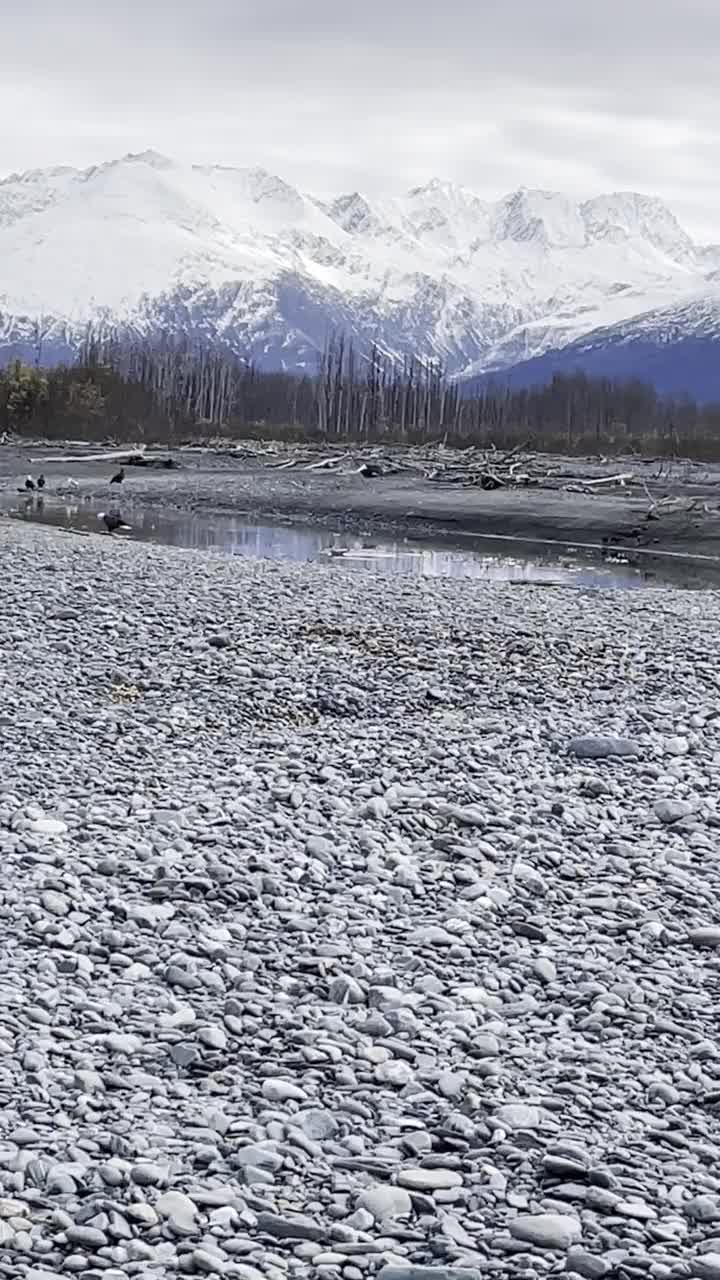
(478, 558)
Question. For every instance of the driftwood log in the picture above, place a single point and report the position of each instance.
(139, 457)
(155, 464)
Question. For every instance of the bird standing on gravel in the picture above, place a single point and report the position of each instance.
(29, 482)
(41, 481)
(118, 477)
(113, 521)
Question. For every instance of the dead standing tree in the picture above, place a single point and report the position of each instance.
(165, 389)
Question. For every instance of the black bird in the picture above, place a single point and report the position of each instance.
(29, 482)
(41, 482)
(113, 521)
(118, 477)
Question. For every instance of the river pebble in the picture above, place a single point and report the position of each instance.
(549, 1230)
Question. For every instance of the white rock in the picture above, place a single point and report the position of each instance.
(396, 1072)
(544, 969)
(430, 936)
(55, 903)
(317, 1123)
(384, 1201)
(547, 1230)
(451, 1084)
(473, 995)
(213, 1037)
(526, 875)
(48, 827)
(179, 1209)
(515, 1115)
(12, 1208)
(185, 1016)
(119, 1043)
(257, 1156)
(142, 1213)
(277, 1090)
(706, 1267)
(635, 1209)
(486, 1045)
(669, 811)
(677, 746)
(360, 1220)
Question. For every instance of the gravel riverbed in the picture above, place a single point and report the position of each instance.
(353, 927)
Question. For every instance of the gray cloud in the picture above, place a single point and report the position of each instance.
(379, 96)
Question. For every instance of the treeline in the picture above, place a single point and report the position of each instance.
(171, 394)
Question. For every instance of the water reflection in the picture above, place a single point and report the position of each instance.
(233, 536)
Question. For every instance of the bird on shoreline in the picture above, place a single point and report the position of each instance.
(118, 477)
(31, 485)
(113, 521)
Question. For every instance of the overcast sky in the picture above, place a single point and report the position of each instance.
(380, 95)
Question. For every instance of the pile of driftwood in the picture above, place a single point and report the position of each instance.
(492, 469)
(488, 469)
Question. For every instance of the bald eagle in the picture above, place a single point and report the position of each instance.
(112, 521)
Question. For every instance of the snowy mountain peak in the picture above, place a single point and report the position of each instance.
(626, 214)
(153, 159)
(36, 176)
(447, 208)
(449, 194)
(352, 212)
(545, 218)
(240, 257)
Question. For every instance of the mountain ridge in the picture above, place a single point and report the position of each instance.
(675, 349)
(240, 259)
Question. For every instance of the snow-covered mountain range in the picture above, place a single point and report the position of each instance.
(237, 258)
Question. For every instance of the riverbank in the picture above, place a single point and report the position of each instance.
(684, 497)
(325, 951)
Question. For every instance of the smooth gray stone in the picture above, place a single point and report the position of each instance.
(600, 747)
